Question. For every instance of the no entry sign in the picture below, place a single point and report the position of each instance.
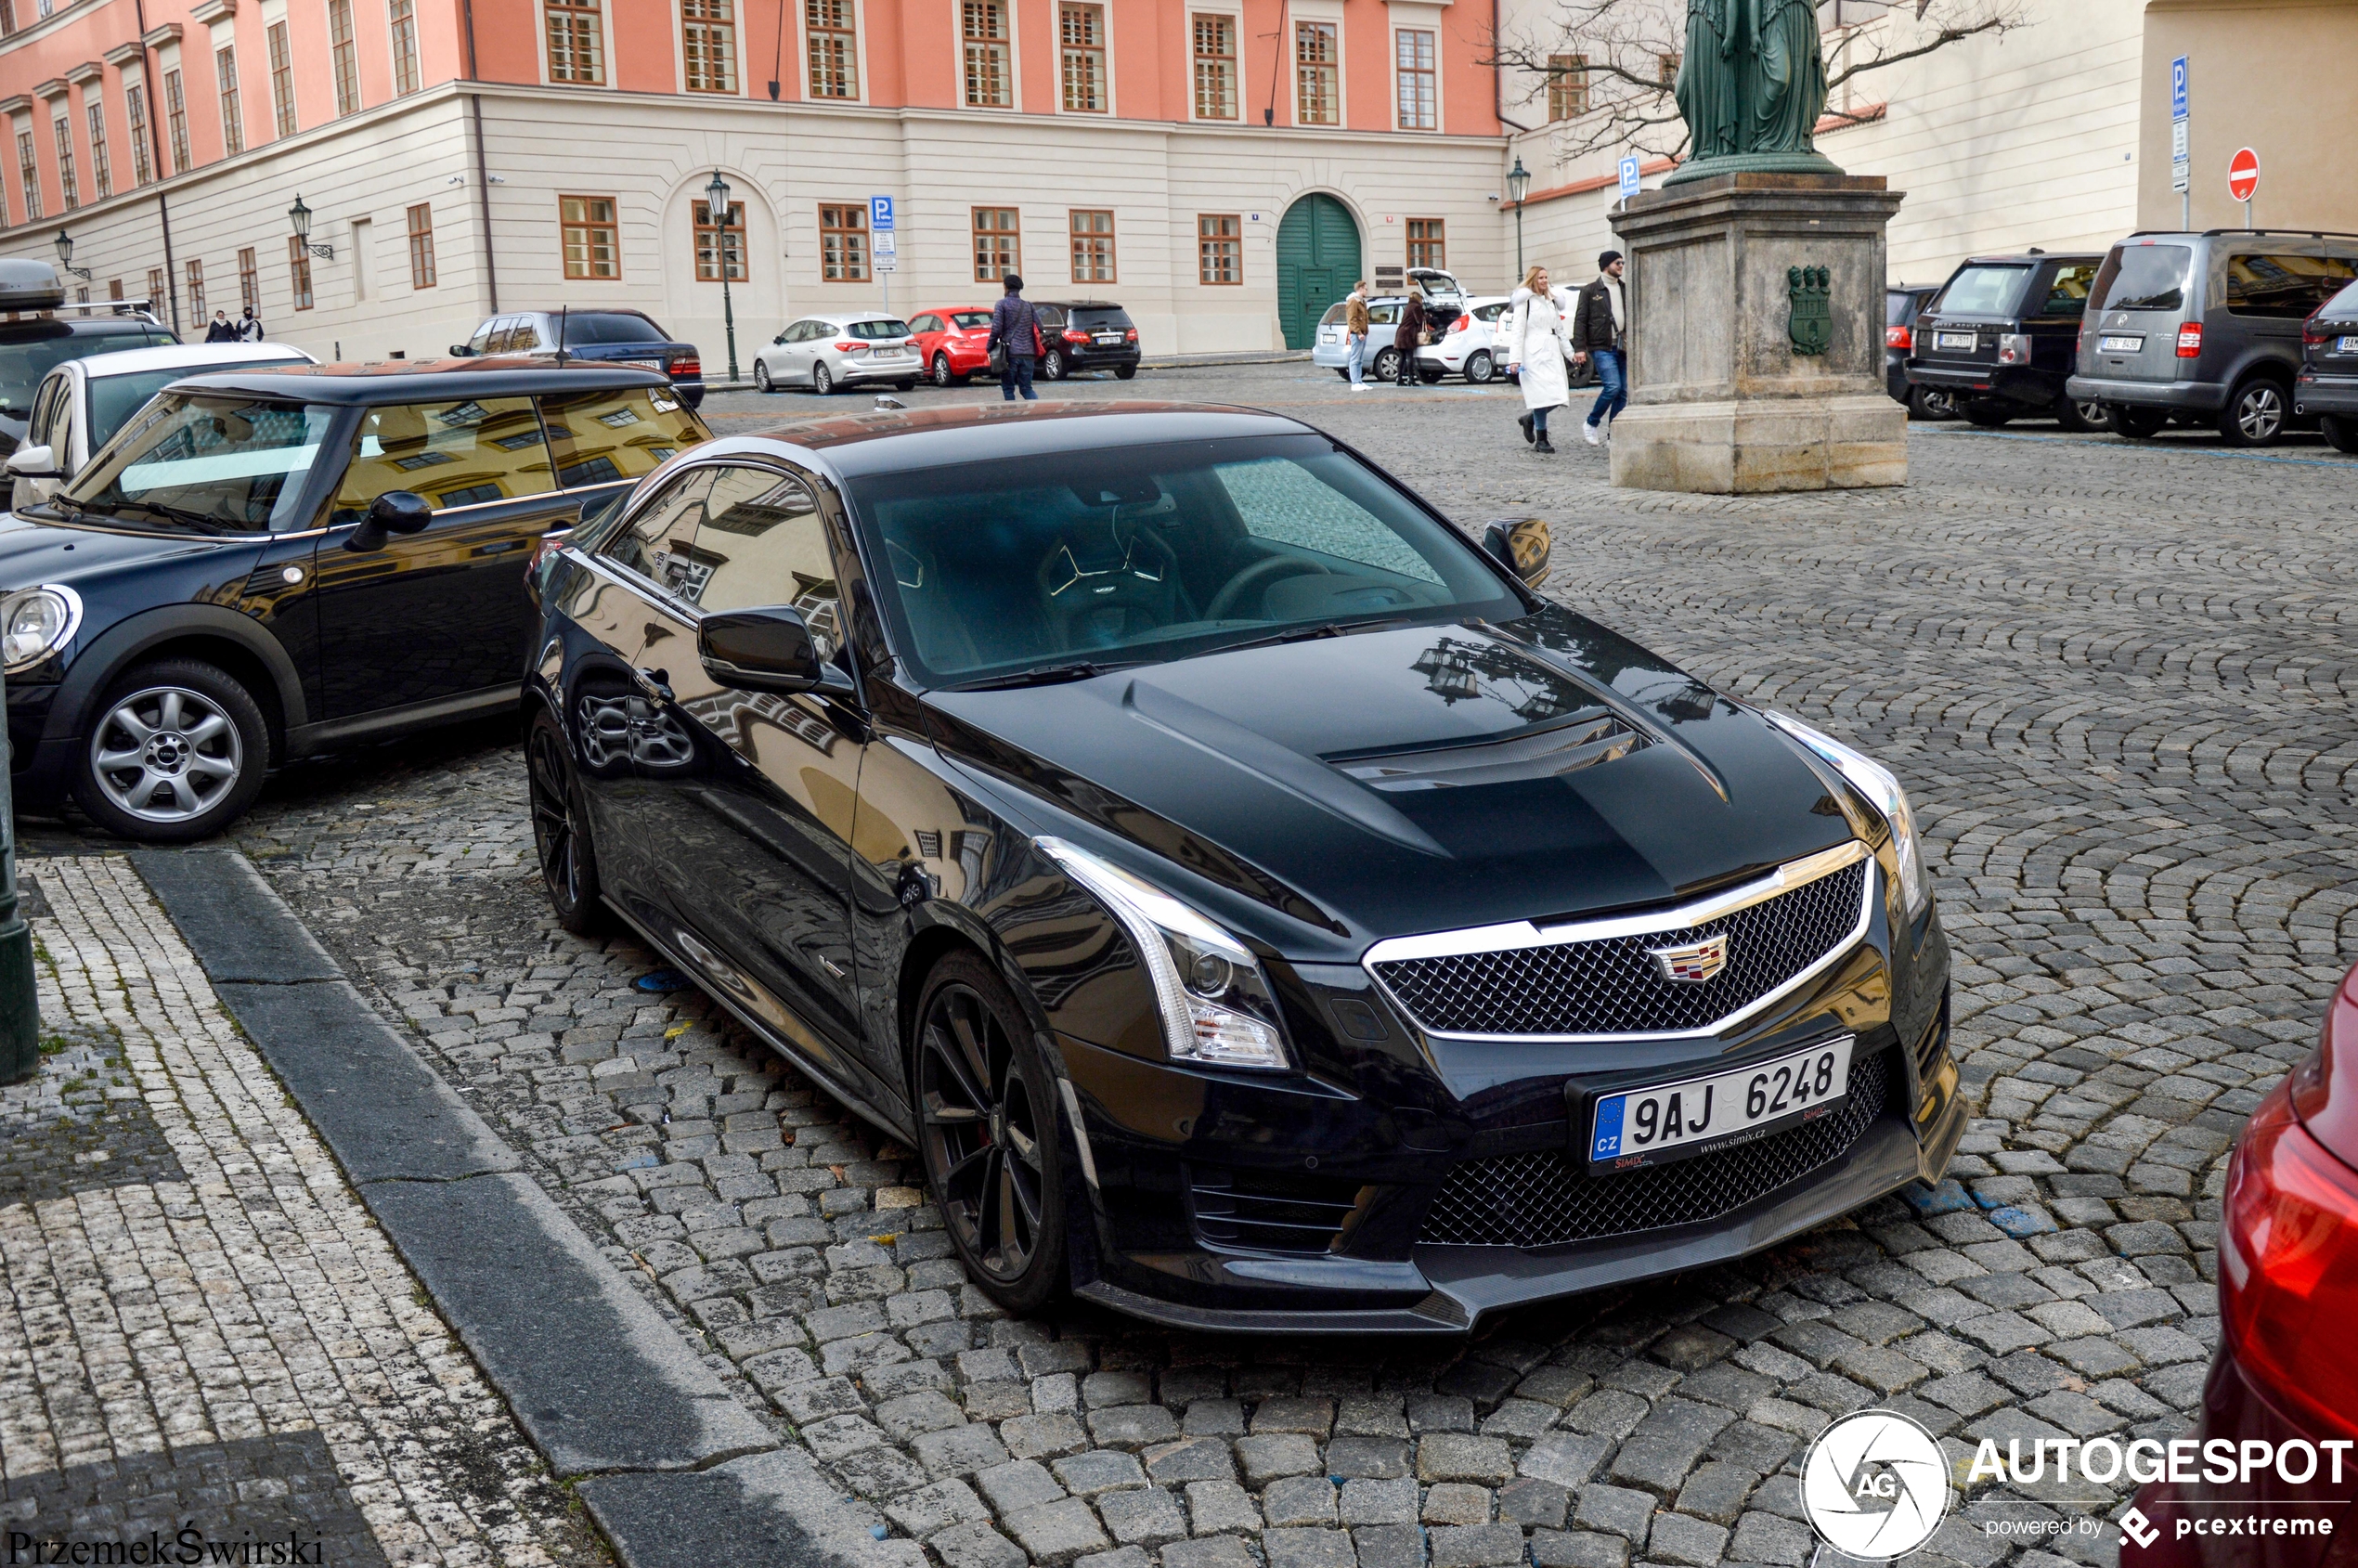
(2243, 174)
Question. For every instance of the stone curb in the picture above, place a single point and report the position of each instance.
(674, 1469)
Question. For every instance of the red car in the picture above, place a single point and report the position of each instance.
(953, 340)
(2286, 1370)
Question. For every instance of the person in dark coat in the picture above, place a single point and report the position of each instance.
(1015, 327)
(249, 327)
(222, 330)
(1599, 321)
(1411, 330)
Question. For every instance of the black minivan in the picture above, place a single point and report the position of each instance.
(2002, 338)
(1087, 335)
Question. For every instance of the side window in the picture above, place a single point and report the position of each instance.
(1050, 318)
(2283, 287)
(763, 544)
(42, 428)
(2068, 291)
(623, 433)
(658, 541)
(924, 324)
(454, 454)
(481, 341)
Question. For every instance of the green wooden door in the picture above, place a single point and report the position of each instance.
(1317, 262)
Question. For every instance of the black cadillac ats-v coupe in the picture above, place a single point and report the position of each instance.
(1257, 906)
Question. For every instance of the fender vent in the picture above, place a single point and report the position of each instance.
(1270, 1213)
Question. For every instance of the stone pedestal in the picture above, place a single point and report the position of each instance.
(1721, 397)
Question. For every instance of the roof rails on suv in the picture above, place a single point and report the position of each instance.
(2287, 233)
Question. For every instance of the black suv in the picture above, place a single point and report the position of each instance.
(263, 564)
(1086, 335)
(2004, 335)
(41, 330)
(2328, 383)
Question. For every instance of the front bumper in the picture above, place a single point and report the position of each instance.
(2326, 395)
(2024, 385)
(2204, 397)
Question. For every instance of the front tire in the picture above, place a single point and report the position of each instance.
(2255, 413)
(561, 829)
(2340, 431)
(1053, 366)
(761, 382)
(1480, 367)
(178, 753)
(823, 381)
(989, 1132)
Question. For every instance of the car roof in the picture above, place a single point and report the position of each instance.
(577, 310)
(193, 357)
(949, 309)
(845, 317)
(38, 328)
(410, 380)
(888, 440)
(2026, 259)
(1080, 304)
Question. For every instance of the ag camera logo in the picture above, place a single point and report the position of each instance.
(1875, 1484)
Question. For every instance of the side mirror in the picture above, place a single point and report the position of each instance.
(34, 462)
(461, 351)
(1522, 546)
(769, 650)
(395, 512)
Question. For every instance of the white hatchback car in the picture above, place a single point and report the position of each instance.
(839, 348)
(82, 403)
(1462, 347)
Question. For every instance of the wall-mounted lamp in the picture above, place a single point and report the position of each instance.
(300, 216)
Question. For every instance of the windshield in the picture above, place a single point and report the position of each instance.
(885, 327)
(115, 398)
(2143, 277)
(1983, 291)
(23, 364)
(609, 326)
(1152, 554)
(221, 464)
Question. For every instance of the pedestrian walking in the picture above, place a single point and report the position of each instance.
(1597, 322)
(1410, 335)
(1354, 330)
(221, 330)
(1015, 339)
(1538, 355)
(250, 327)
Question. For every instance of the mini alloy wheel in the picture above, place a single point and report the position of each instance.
(176, 753)
(823, 381)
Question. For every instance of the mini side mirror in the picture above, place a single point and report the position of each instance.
(34, 462)
(395, 512)
(1523, 545)
(769, 650)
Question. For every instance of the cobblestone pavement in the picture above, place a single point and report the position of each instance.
(200, 1326)
(2113, 678)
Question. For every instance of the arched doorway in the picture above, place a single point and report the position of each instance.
(1317, 262)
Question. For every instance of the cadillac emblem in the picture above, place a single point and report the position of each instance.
(1812, 327)
(1694, 963)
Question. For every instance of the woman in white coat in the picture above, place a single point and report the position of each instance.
(1537, 351)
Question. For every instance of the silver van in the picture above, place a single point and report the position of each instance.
(2206, 328)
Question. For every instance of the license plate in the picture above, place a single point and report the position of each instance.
(650, 364)
(2109, 345)
(2346, 345)
(1955, 340)
(1643, 1127)
(1108, 337)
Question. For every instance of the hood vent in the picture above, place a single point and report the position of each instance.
(1580, 740)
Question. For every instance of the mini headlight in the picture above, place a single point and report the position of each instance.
(1881, 790)
(34, 623)
(1216, 1006)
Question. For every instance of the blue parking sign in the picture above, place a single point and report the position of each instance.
(1628, 176)
(2178, 88)
(880, 213)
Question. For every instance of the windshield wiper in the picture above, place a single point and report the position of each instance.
(167, 514)
(1047, 675)
(1310, 633)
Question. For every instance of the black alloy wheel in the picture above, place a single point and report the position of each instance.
(2255, 413)
(1053, 366)
(2132, 422)
(823, 381)
(761, 382)
(560, 830)
(989, 1131)
(942, 374)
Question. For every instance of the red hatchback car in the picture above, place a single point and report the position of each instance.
(2286, 1370)
(953, 340)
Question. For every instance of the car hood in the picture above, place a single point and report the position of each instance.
(1415, 779)
(36, 552)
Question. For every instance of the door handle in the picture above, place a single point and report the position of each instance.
(654, 682)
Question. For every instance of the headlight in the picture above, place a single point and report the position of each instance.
(34, 623)
(1875, 782)
(1216, 1006)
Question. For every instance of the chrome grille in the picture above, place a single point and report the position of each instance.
(1614, 986)
(1543, 1198)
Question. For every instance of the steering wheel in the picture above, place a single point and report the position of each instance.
(1256, 578)
(1136, 589)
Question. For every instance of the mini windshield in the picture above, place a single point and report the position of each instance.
(1983, 291)
(115, 398)
(1152, 554)
(883, 326)
(222, 463)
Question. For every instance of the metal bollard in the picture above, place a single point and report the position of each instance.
(19, 1002)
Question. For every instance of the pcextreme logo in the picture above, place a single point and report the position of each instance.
(1875, 1484)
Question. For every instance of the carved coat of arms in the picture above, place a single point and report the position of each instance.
(1812, 327)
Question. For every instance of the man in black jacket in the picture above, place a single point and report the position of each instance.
(1599, 318)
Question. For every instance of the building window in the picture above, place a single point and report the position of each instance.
(1317, 67)
(708, 40)
(195, 291)
(233, 123)
(155, 288)
(1215, 42)
(1420, 97)
(998, 245)
(843, 243)
(1092, 246)
(1567, 87)
(28, 171)
(720, 246)
(249, 281)
(340, 51)
(8, 17)
(834, 48)
(590, 247)
(1220, 248)
(175, 120)
(982, 26)
(576, 43)
(114, 288)
(405, 48)
(1667, 69)
(101, 167)
(283, 108)
(298, 272)
(1080, 29)
(68, 188)
(1427, 245)
(422, 273)
(134, 100)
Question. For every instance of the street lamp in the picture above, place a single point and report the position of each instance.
(716, 198)
(65, 257)
(300, 216)
(1518, 182)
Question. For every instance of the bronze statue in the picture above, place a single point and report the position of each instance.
(1706, 86)
(1752, 86)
